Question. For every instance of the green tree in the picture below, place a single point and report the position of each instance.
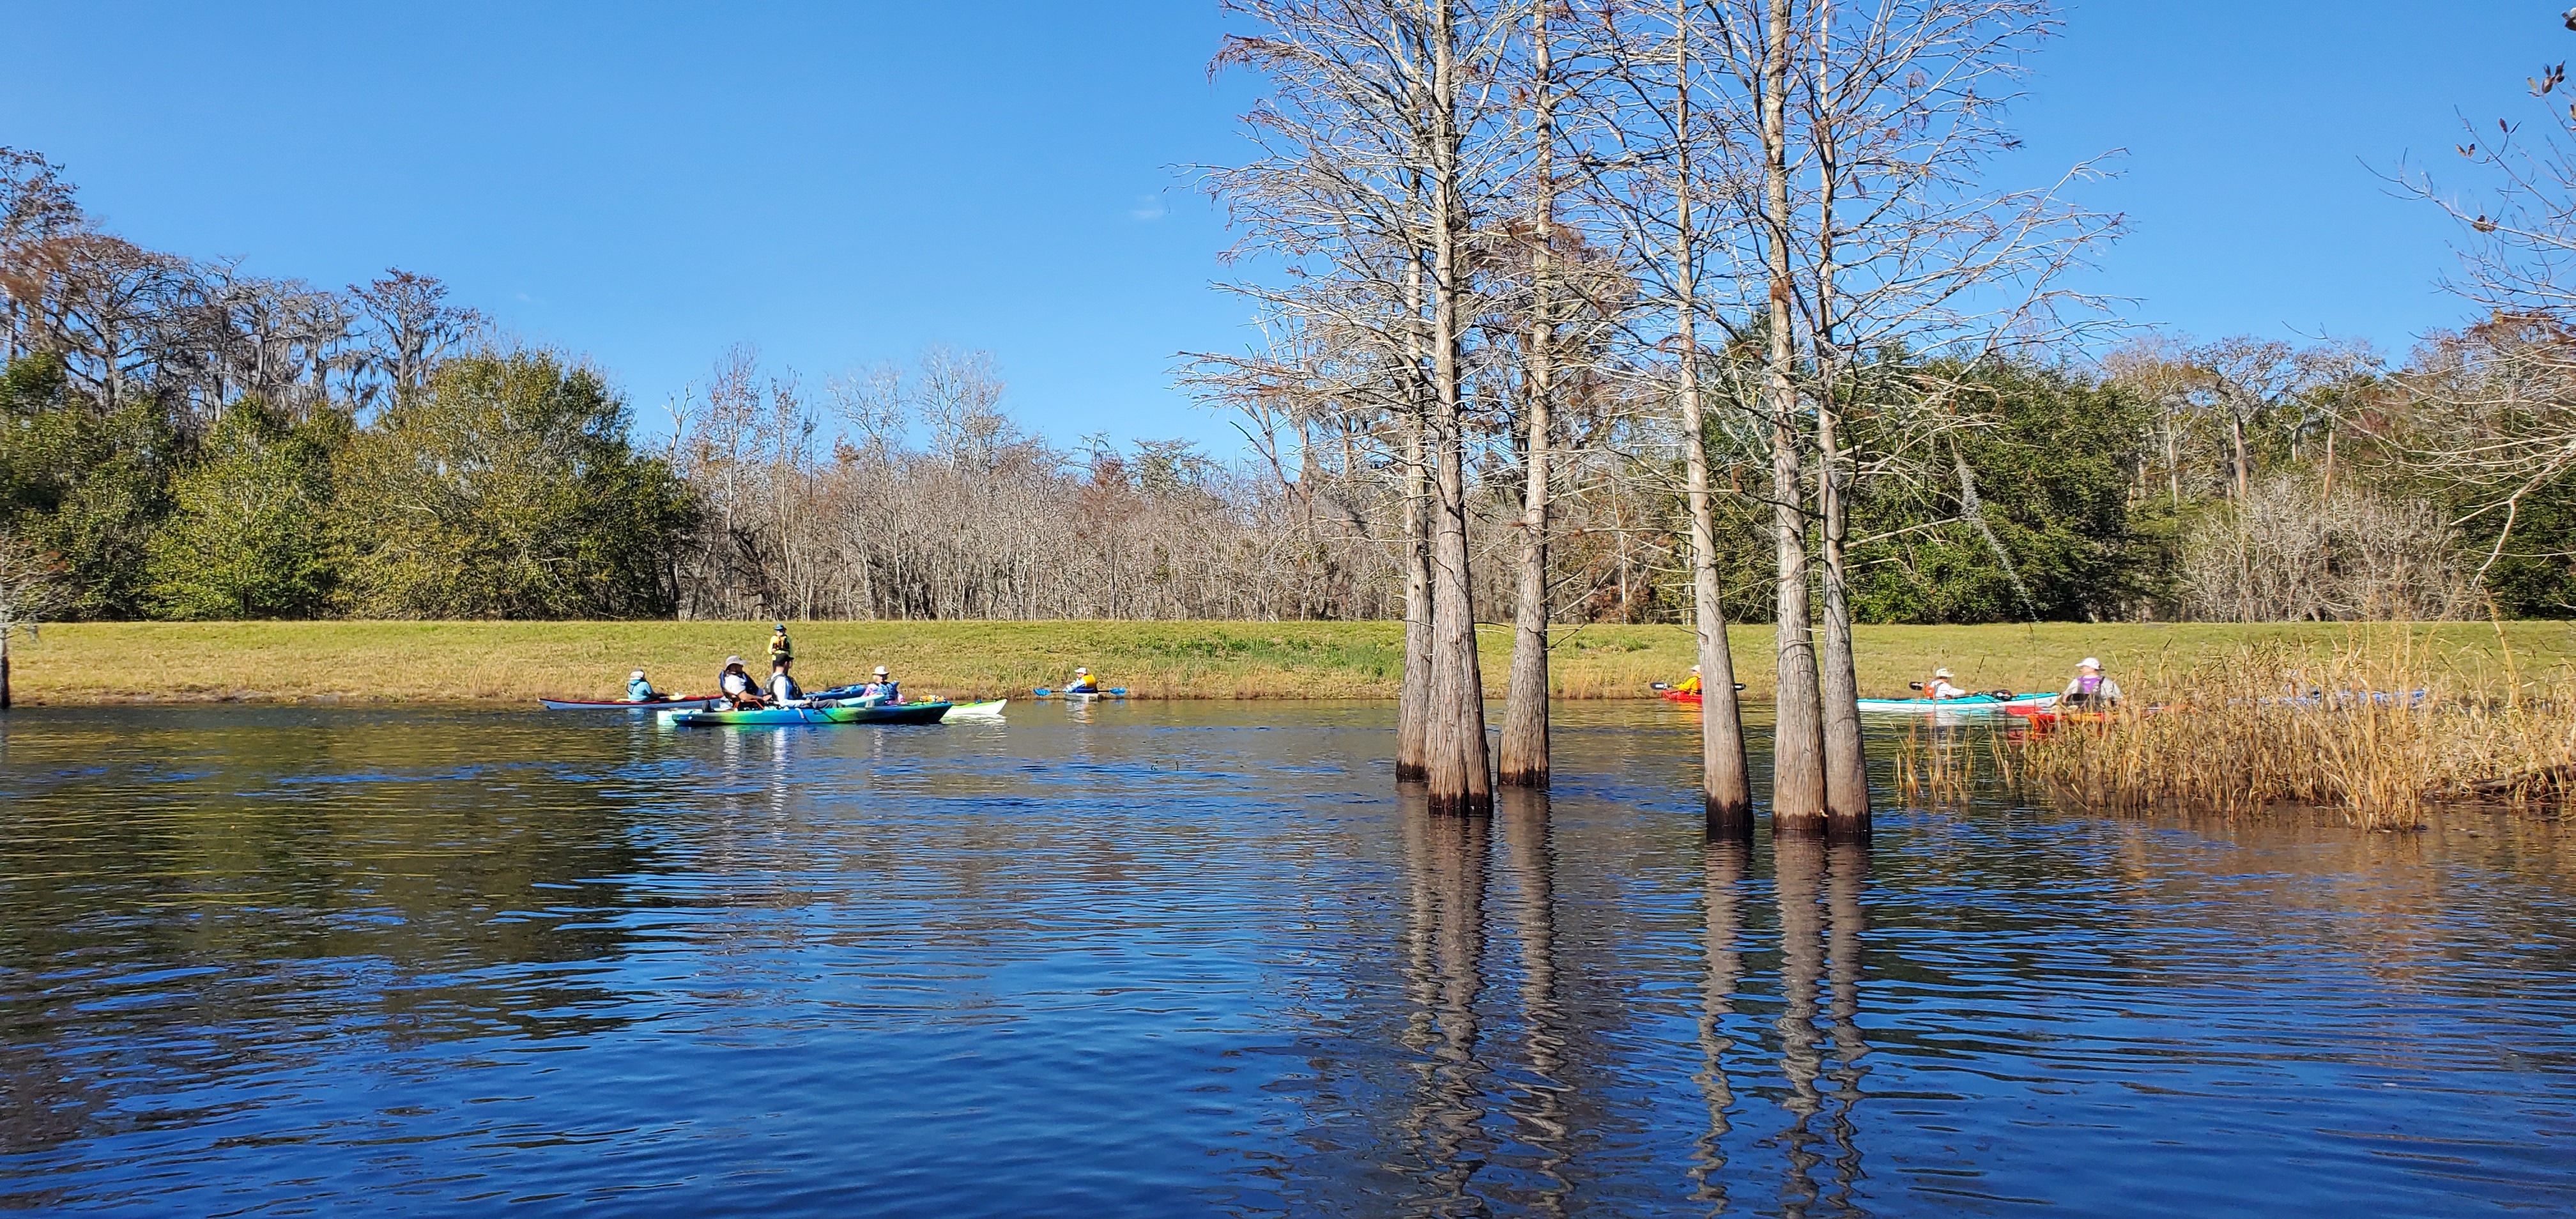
(247, 537)
(508, 490)
(2052, 470)
(86, 486)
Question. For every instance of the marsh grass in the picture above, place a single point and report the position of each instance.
(509, 661)
(2380, 730)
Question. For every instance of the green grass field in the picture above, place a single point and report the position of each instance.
(469, 661)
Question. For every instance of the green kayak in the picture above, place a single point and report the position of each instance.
(903, 713)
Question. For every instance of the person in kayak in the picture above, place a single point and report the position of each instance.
(779, 647)
(737, 686)
(1083, 682)
(2090, 689)
(883, 688)
(783, 690)
(1938, 687)
(639, 690)
(1690, 684)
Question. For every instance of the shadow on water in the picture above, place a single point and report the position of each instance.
(1153, 959)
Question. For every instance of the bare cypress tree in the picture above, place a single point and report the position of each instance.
(1460, 774)
(1797, 741)
(1648, 187)
(1525, 713)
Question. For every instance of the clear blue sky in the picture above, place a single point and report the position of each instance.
(843, 183)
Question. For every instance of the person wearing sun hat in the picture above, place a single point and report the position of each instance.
(2090, 688)
(883, 688)
(1083, 682)
(1938, 686)
(738, 687)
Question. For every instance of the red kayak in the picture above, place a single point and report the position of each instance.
(1687, 698)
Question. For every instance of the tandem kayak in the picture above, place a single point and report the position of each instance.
(659, 704)
(1981, 704)
(901, 713)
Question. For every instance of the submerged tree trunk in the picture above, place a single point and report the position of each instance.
(1838, 681)
(1846, 761)
(1413, 703)
(1797, 753)
(1726, 784)
(1525, 743)
(1461, 773)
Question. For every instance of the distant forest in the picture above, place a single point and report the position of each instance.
(180, 439)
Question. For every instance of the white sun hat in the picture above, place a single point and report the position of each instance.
(2088, 663)
(881, 670)
(1943, 673)
(637, 675)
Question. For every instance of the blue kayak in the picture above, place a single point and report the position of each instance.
(901, 713)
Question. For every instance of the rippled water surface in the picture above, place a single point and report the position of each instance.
(1166, 959)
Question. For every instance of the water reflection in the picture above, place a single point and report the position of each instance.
(1162, 959)
(1726, 864)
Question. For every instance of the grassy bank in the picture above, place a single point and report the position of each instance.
(466, 661)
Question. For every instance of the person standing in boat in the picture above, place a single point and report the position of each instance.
(1938, 686)
(2090, 689)
(737, 687)
(783, 690)
(1083, 682)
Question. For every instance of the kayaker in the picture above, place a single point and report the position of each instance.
(883, 688)
(639, 690)
(2090, 688)
(737, 686)
(779, 648)
(1082, 683)
(1939, 686)
(1690, 684)
(783, 690)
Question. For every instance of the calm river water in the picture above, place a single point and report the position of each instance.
(1163, 959)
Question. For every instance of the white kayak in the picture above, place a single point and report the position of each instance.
(1974, 703)
(976, 711)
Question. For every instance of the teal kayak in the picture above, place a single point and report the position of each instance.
(901, 713)
(1974, 703)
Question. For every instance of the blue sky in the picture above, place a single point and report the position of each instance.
(844, 183)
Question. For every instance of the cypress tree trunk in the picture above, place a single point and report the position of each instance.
(1525, 743)
(1797, 744)
(1726, 785)
(1461, 773)
(1413, 704)
(1846, 764)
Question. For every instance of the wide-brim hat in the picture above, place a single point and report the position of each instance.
(2088, 663)
(733, 662)
(881, 670)
(1943, 673)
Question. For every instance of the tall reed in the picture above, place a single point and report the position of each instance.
(2378, 730)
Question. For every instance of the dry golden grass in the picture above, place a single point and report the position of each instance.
(467, 661)
(2263, 727)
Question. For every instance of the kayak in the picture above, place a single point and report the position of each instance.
(1687, 698)
(1980, 704)
(1079, 696)
(659, 704)
(902, 713)
(976, 711)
